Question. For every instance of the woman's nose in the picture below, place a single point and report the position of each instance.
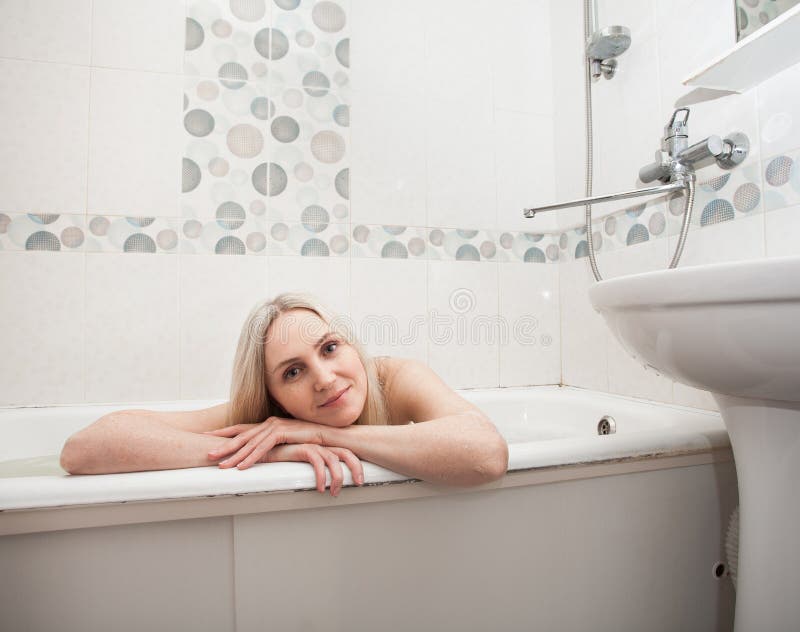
(324, 377)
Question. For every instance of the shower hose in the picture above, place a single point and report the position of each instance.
(690, 186)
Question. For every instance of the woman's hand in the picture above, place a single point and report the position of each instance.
(319, 457)
(249, 443)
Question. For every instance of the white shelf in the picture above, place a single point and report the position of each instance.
(756, 58)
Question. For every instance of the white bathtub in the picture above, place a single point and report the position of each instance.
(615, 532)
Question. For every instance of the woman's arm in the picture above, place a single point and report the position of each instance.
(139, 440)
(456, 444)
(462, 449)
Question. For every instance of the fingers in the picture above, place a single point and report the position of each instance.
(263, 448)
(352, 462)
(335, 467)
(249, 453)
(238, 440)
(314, 458)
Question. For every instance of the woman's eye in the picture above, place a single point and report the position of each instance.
(290, 373)
(331, 344)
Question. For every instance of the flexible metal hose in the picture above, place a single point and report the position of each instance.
(587, 32)
(687, 215)
(690, 186)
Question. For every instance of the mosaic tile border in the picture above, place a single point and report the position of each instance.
(233, 231)
(238, 234)
(782, 180)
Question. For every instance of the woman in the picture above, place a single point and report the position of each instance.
(304, 390)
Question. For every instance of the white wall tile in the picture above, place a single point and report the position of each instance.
(131, 327)
(216, 295)
(630, 378)
(694, 397)
(690, 34)
(457, 52)
(463, 301)
(783, 232)
(327, 278)
(529, 306)
(525, 169)
(389, 48)
(388, 175)
(41, 315)
(522, 68)
(44, 128)
(46, 30)
(583, 331)
(461, 164)
(734, 240)
(779, 112)
(566, 32)
(142, 35)
(135, 143)
(625, 375)
(637, 15)
(390, 306)
(627, 124)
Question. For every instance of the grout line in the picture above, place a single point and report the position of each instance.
(85, 284)
(499, 341)
(761, 180)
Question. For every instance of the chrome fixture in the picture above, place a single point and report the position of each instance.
(675, 166)
(676, 157)
(611, 197)
(602, 48)
(606, 425)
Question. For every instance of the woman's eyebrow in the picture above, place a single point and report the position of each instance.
(290, 360)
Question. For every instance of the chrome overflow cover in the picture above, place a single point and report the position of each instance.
(606, 425)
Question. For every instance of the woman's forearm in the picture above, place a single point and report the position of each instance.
(460, 450)
(135, 441)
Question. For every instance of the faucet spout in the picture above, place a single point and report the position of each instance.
(666, 188)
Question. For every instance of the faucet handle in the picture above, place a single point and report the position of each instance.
(736, 146)
(658, 170)
(677, 126)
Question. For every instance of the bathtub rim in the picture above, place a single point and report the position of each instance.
(66, 517)
(41, 492)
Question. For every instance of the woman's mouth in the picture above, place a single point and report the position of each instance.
(337, 398)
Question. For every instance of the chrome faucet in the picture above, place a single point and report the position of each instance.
(676, 160)
(674, 165)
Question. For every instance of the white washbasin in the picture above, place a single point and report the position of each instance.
(730, 328)
(734, 329)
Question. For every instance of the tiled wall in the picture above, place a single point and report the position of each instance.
(750, 212)
(166, 163)
(751, 15)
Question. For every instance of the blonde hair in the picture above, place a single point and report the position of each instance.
(250, 398)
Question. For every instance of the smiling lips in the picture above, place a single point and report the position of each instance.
(336, 397)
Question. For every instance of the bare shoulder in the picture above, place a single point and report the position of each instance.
(414, 392)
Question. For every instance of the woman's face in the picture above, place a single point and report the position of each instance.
(308, 366)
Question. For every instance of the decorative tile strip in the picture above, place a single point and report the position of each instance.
(42, 231)
(782, 180)
(389, 242)
(228, 235)
(309, 239)
(108, 233)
